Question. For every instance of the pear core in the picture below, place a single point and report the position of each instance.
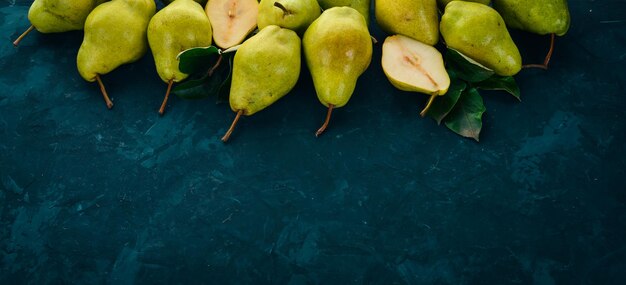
(413, 66)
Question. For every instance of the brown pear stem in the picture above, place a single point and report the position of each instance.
(167, 97)
(19, 39)
(374, 40)
(325, 125)
(215, 66)
(282, 7)
(232, 127)
(104, 93)
(428, 105)
(546, 61)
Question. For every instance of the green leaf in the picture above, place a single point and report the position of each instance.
(444, 104)
(466, 117)
(207, 85)
(466, 68)
(196, 60)
(502, 83)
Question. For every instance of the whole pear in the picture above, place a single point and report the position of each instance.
(295, 15)
(443, 3)
(55, 16)
(416, 19)
(535, 16)
(338, 49)
(175, 28)
(363, 6)
(478, 31)
(115, 34)
(266, 67)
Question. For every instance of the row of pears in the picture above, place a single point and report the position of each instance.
(332, 35)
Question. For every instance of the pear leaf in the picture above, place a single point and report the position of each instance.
(198, 59)
(444, 104)
(466, 117)
(466, 68)
(210, 84)
(503, 83)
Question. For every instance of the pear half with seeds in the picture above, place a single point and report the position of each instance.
(232, 20)
(413, 66)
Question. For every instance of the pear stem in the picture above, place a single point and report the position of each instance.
(546, 61)
(428, 105)
(167, 96)
(282, 7)
(232, 127)
(19, 39)
(325, 125)
(104, 93)
(215, 66)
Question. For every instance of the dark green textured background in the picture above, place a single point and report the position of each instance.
(93, 196)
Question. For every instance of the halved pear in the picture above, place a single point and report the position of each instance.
(413, 66)
(232, 20)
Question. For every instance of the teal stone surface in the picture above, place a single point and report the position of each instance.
(92, 196)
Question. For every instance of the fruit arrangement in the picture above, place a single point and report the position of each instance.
(252, 51)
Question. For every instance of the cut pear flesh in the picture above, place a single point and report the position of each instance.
(232, 20)
(413, 66)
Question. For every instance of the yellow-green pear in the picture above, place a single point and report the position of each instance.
(179, 26)
(266, 67)
(443, 3)
(416, 19)
(338, 49)
(232, 20)
(536, 16)
(295, 15)
(115, 34)
(414, 66)
(55, 16)
(478, 31)
(363, 6)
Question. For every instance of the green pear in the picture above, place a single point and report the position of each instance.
(179, 26)
(536, 16)
(201, 2)
(363, 6)
(443, 3)
(295, 15)
(416, 19)
(115, 34)
(478, 31)
(338, 49)
(266, 67)
(55, 16)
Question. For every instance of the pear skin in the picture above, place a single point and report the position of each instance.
(295, 15)
(266, 67)
(363, 6)
(536, 16)
(416, 19)
(338, 49)
(115, 34)
(478, 31)
(179, 26)
(56, 16)
(442, 3)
